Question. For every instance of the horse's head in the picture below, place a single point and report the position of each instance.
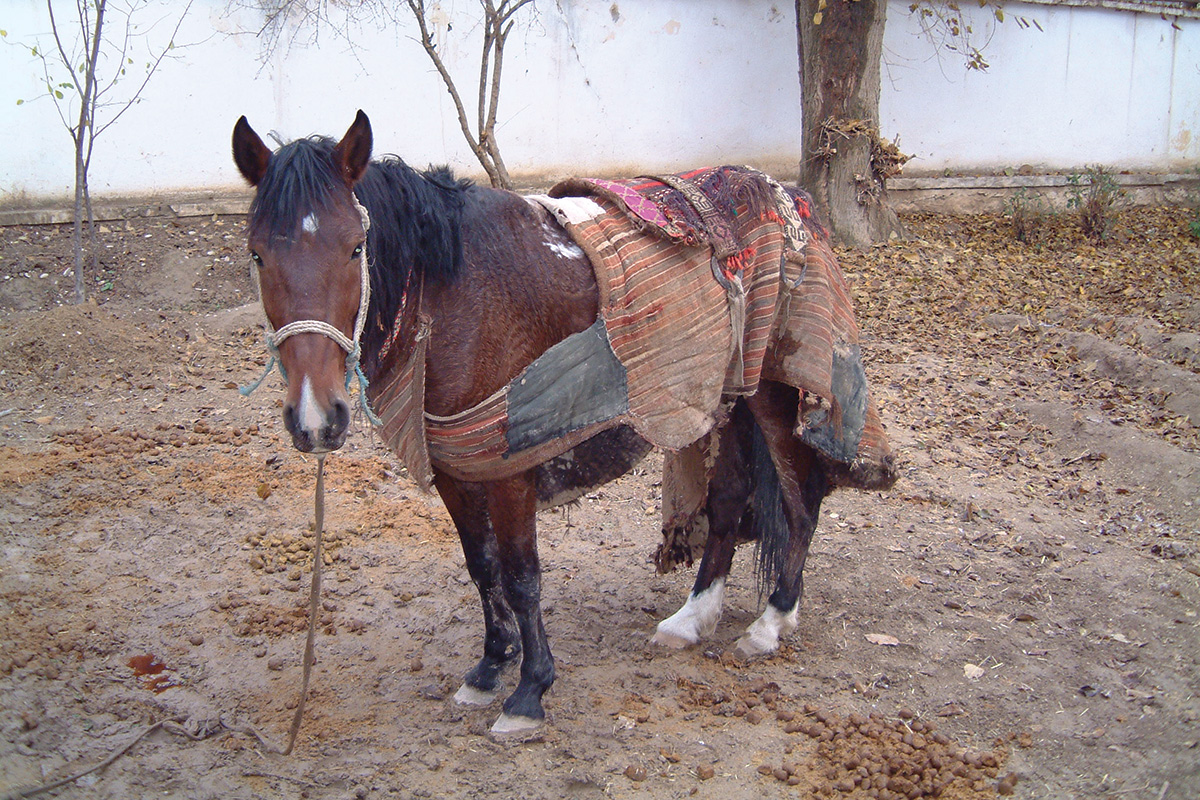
(306, 238)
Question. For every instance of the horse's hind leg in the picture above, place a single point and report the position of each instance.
(700, 613)
(803, 485)
(467, 504)
(728, 495)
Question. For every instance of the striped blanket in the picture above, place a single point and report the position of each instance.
(699, 301)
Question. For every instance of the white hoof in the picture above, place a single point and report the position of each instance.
(515, 724)
(697, 619)
(666, 638)
(470, 696)
(750, 646)
(762, 637)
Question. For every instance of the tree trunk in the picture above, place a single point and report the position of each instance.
(77, 230)
(841, 44)
(83, 137)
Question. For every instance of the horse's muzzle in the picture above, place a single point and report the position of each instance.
(317, 433)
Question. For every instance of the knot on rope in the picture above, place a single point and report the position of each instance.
(354, 369)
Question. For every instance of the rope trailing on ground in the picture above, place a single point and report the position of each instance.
(314, 602)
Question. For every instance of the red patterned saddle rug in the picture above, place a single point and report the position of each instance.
(708, 282)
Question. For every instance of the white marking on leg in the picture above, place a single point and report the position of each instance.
(309, 224)
(470, 696)
(310, 417)
(762, 636)
(697, 619)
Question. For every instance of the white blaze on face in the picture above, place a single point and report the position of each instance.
(309, 416)
(697, 618)
(309, 224)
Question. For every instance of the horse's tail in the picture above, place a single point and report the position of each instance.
(769, 526)
(768, 520)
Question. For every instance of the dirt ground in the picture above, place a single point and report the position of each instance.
(1023, 602)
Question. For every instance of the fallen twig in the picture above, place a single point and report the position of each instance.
(304, 783)
(31, 791)
(1088, 456)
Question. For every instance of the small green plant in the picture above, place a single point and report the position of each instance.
(1095, 196)
(1028, 212)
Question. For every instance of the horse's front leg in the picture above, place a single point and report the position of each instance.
(467, 504)
(512, 505)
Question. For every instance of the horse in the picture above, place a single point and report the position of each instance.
(370, 268)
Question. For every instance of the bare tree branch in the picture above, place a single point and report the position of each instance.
(418, 9)
(497, 24)
(83, 63)
(150, 70)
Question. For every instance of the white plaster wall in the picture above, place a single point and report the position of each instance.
(1093, 86)
(593, 86)
(588, 87)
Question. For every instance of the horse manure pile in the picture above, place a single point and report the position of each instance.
(859, 756)
(122, 442)
(287, 552)
(262, 620)
(872, 757)
(95, 442)
(248, 618)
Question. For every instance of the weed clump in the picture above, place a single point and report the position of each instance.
(1095, 197)
(1028, 213)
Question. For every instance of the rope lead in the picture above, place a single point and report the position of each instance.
(354, 368)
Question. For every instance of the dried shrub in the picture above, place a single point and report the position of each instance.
(1095, 197)
(1029, 214)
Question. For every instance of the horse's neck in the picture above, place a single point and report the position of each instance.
(515, 298)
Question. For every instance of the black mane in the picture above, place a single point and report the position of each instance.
(300, 178)
(416, 225)
(415, 219)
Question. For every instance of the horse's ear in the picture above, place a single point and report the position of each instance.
(249, 152)
(354, 150)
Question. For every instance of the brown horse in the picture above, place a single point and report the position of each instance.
(483, 282)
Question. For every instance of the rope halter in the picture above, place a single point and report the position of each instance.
(352, 347)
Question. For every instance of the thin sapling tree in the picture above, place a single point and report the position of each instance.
(95, 46)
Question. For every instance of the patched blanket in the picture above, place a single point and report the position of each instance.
(709, 282)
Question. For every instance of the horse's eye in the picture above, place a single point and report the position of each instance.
(358, 251)
(256, 258)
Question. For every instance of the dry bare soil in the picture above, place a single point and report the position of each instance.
(1023, 603)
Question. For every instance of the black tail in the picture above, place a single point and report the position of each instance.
(769, 523)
